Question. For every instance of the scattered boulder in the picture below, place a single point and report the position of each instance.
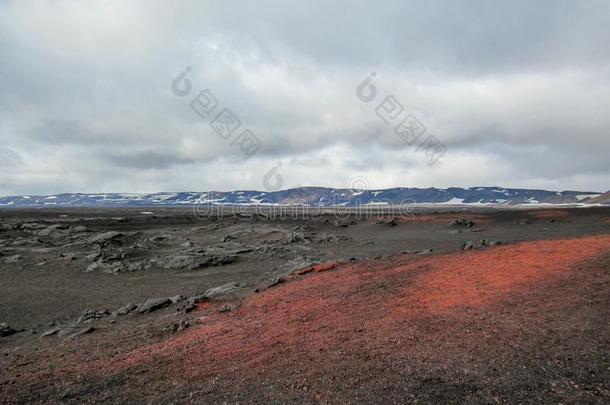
(160, 238)
(198, 298)
(392, 222)
(417, 252)
(468, 245)
(115, 266)
(297, 264)
(105, 237)
(228, 238)
(53, 231)
(153, 304)
(68, 332)
(227, 308)
(182, 325)
(217, 260)
(68, 256)
(92, 314)
(525, 221)
(109, 255)
(464, 222)
(103, 267)
(298, 237)
(193, 262)
(215, 292)
(177, 327)
(231, 251)
(479, 244)
(177, 262)
(188, 244)
(6, 330)
(51, 332)
(176, 299)
(30, 226)
(13, 259)
(276, 281)
(126, 309)
(331, 238)
(45, 232)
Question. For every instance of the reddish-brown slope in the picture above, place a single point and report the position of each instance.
(361, 307)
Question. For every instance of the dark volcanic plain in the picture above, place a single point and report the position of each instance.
(169, 305)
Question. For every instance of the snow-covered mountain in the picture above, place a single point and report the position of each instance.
(317, 197)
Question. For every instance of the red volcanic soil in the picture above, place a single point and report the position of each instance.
(370, 323)
(550, 214)
(520, 323)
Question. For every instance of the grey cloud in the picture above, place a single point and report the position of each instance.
(86, 103)
(10, 159)
(148, 159)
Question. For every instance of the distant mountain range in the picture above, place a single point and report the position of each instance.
(319, 197)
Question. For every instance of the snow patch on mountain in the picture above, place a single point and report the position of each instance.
(318, 197)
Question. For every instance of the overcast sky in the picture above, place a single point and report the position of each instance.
(517, 92)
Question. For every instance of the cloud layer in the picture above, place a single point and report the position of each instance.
(517, 92)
